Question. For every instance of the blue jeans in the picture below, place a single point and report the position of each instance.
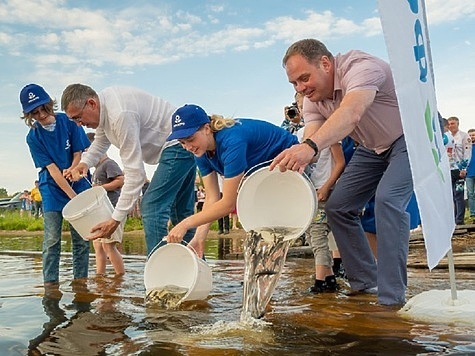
(170, 195)
(458, 193)
(470, 182)
(53, 221)
(388, 177)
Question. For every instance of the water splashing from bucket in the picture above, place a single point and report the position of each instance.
(263, 262)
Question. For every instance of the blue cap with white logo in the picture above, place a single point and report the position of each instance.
(32, 96)
(186, 121)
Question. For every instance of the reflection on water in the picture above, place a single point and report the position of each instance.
(108, 316)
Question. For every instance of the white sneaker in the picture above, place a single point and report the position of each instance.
(372, 290)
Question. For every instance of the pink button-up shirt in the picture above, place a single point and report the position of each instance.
(381, 124)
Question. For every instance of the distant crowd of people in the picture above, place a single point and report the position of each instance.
(31, 202)
(343, 129)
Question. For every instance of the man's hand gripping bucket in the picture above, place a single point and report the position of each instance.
(270, 201)
(88, 209)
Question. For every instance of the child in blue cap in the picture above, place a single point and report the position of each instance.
(55, 145)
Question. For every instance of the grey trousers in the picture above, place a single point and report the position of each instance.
(388, 176)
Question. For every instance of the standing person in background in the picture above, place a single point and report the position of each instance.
(37, 200)
(449, 144)
(25, 199)
(223, 222)
(353, 94)
(293, 119)
(109, 176)
(138, 124)
(461, 155)
(470, 178)
(201, 197)
(56, 144)
(324, 175)
(234, 219)
(294, 123)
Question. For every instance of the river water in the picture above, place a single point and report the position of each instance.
(108, 316)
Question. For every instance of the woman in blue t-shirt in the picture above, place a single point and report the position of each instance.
(56, 144)
(228, 147)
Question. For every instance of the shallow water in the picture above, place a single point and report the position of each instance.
(107, 315)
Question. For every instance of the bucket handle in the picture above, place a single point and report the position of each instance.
(253, 169)
(262, 165)
(85, 177)
(87, 180)
(165, 240)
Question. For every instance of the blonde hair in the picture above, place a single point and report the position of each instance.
(49, 107)
(219, 122)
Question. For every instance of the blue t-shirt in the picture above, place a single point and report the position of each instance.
(240, 147)
(471, 165)
(56, 147)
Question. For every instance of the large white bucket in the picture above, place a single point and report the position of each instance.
(177, 265)
(88, 209)
(274, 199)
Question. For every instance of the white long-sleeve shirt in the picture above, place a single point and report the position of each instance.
(462, 149)
(138, 124)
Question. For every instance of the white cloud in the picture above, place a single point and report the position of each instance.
(439, 11)
(154, 35)
(324, 25)
(5, 39)
(50, 40)
(151, 35)
(216, 8)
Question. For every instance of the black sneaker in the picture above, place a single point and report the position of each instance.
(329, 285)
(318, 287)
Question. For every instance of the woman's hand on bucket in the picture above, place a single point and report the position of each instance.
(103, 230)
(176, 234)
(197, 245)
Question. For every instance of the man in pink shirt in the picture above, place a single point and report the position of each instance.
(353, 94)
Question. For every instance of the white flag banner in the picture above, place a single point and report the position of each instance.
(406, 35)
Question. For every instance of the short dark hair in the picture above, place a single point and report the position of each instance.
(312, 50)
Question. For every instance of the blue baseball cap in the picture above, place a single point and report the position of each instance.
(186, 121)
(32, 96)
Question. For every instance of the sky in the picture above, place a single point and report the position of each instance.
(225, 56)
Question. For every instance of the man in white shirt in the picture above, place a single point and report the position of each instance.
(138, 124)
(460, 156)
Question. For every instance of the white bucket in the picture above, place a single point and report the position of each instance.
(88, 209)
(274, 199)
(177, 265)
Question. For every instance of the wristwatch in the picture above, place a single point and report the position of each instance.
(312, 144)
